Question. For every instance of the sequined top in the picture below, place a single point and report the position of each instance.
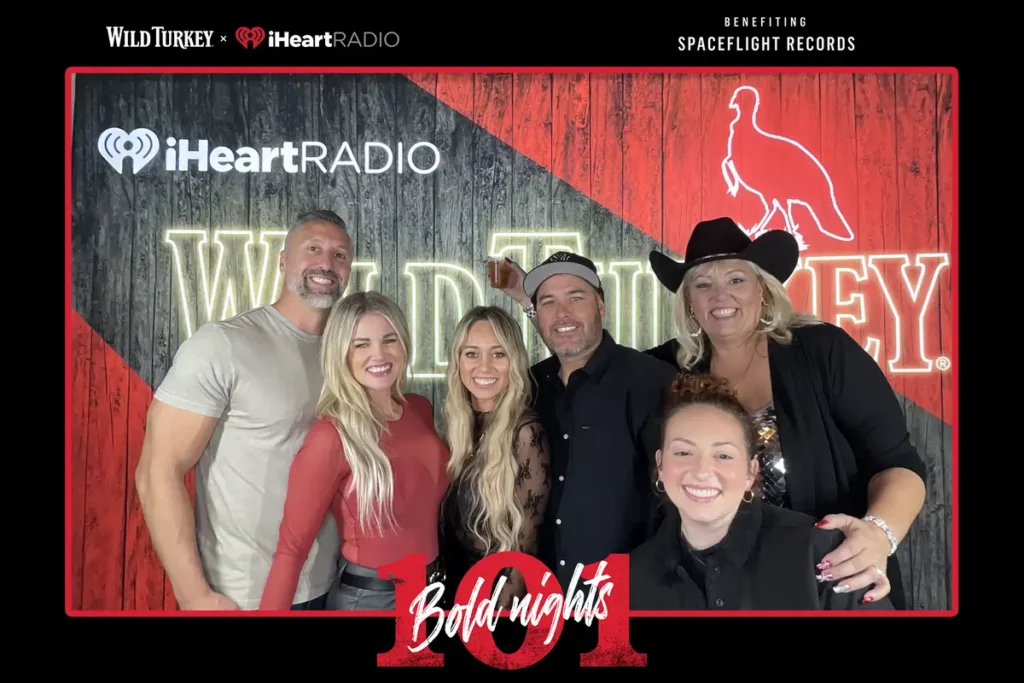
(771, 481)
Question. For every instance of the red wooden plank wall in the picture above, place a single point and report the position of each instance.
(885, 140)
(648, 147)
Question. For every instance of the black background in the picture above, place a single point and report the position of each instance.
(764, 648)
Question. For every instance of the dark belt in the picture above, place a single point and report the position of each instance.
(435, 572)
(370, 583)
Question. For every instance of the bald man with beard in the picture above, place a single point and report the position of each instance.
(236, 405)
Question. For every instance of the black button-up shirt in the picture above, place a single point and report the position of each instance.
(766, 562)
(604, 426)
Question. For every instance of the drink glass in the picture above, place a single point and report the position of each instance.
(499, 272)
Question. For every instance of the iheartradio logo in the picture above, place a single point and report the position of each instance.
(250, 36)
(141, 146)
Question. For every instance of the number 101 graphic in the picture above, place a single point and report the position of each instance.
(543, 610)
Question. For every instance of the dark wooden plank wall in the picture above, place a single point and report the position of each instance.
(520, 152)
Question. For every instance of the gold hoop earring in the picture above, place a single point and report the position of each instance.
(745, 494)
(764, 305)
(658, 484)
(699, 330)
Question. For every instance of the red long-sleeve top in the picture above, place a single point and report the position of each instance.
(318, 483)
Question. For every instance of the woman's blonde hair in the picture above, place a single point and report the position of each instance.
(346, 403)
(777, 310)
(488, 469)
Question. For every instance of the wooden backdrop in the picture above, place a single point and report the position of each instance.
(615, 165)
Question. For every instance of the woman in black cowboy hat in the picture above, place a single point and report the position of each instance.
(834, 441)
(833, 438)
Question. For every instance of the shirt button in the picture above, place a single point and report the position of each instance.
(718, 570)
(561, 478)
(719, 602)
(565, 436)
(562, 562)
(558, 521)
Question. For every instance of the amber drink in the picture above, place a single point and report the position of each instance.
(499, 272)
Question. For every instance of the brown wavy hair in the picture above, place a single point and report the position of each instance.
(709, 390)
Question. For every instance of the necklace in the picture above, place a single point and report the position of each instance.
(689, 549)
(750, 363)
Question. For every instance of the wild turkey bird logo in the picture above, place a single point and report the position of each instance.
(781, 172)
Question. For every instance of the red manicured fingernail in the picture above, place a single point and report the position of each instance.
(821, 524)
(869, 599)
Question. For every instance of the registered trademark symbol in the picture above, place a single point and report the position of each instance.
(942, 363)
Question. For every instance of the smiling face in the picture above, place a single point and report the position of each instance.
(316, 263)
(376, 357)
(569, 315)
(725, 297)
(483, 366)
(705, 465)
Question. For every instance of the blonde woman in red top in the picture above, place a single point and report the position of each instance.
(372, 460)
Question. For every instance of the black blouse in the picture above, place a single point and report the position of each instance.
(459, 548)
(839, 424)
(766, 562)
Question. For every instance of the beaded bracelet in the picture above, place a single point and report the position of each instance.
(880, 523)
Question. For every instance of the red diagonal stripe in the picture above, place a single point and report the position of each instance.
(641, 145)
(114, 565)
(600, 133)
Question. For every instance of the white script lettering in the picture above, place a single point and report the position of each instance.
(528, 610)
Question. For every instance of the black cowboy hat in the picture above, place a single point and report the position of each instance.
(775, 251)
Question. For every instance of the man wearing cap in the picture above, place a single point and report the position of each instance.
(601, 403)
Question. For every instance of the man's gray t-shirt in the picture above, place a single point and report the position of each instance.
(260, 375)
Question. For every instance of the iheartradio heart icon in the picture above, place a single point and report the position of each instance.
(141, 146)
(246, 35)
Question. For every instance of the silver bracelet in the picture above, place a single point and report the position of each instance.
(880, 523)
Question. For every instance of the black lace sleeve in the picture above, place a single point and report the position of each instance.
(533, 482)
(533, 486)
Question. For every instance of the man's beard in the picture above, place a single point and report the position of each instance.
(574, 351)
(586, 340)
(320, 300)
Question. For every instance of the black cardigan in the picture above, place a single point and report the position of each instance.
(766, 562)
(839, 423)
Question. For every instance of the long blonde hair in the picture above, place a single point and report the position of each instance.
(488, 469)
(777, 307)
(344, 401)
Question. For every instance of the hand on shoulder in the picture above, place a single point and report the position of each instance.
(825, 540)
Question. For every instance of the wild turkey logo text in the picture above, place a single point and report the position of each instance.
(889, 299)
(158, 36)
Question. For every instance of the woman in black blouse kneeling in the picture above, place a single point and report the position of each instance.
(720, 546)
